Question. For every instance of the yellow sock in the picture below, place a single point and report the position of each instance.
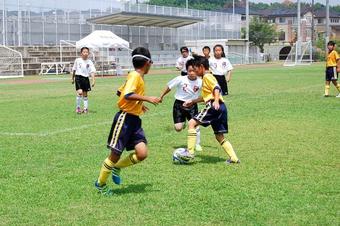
(105, 171)
(338, 87)
(229, 150)
(129, 160)
(327, 87)
(191, 140)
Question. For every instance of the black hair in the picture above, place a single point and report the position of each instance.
(184, 48)
(189, 63)
(206, 47)
(331, 43)
(218, 45)
(82, 48)
(139, 62)
(201, 60)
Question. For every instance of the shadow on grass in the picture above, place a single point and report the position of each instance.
(210, 159)
(134, 188)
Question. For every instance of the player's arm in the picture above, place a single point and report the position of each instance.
(150, 99)
(74, 71)
(229, 69)
(165, 92)
(216, 94)
(93, 78)
(338, 64)
(228, 76)
(178, 65)
(190, 103)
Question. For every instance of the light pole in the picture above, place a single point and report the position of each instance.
(247, 32)
(327, 25)
(3, 24)
(19, 25)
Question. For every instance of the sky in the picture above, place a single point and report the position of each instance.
(99, 4)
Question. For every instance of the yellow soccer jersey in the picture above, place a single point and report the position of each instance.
(209, 84)
(332, 58)
(134, 84)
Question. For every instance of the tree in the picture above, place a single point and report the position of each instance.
(261, 33)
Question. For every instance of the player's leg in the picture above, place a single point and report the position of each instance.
(178, 116)
(337, 86)
(79, 94)
(189, 114)
(328, 78)
(86, 102)
(220, 127)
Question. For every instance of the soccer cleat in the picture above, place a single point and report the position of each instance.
(229, 161)
(338, 96)
(186, 156)
(78, 111)
(326, 95)
(104, 189)
(198, 147)
(116, 175)
(85, 111)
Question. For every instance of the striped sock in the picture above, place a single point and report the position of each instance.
(129, 160)
(191, 140)
(228, 148)
(105, 171)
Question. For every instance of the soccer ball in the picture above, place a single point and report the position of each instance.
(179, 156)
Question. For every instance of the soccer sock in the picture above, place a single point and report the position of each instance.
(86, 103)
(338, 87)
(198, 136)
(105, 171)
(129, 160)
(229, 150)
(78, 100)
(327, 87)
(191, 140)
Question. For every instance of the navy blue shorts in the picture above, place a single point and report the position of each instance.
(126, 132)
(180, 113)
(331, 74)
(218, 119)
(223, 84)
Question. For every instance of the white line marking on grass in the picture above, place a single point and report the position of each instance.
(44, 134)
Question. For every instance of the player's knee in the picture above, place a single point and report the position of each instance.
(178, 127)
(192, 124)
(142, 155)
(80, 93)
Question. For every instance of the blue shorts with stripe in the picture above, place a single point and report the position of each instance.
(126, 132)
(331, 74)
(218, 119)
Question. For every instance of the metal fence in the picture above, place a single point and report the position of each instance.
(34, 22)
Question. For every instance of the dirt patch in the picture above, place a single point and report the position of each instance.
(27, 81)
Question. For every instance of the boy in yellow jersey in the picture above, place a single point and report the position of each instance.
(126, 131)
(214, 114)
(332, 68)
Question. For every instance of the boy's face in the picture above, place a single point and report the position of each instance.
(191, 73)
(147, 67)
(199, 70)
(185, 53)
(206, 52)
(84, 54)
(330, 47)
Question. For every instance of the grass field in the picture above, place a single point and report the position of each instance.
(285, 133)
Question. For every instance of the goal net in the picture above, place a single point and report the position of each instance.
(11, 64)
(300, 54)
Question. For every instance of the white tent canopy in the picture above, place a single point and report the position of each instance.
(102, 39)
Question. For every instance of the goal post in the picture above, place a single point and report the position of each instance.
(300, 54)
(11, 63)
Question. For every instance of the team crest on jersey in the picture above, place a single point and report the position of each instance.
(196, 88)
(224, 64)
(87, 65)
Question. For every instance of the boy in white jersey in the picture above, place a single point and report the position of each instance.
(82, 69)
(181, 61)
(221, 68)
(188, 90)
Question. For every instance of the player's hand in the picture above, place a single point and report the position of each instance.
(72, 81)
(145, 108)
(154, 100)
(228, 79)
(188, 103)
(216, 105)
(338, 69)
(93, 83)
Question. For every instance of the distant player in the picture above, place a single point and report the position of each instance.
(82, 69)
(206, 52)
(181, 61)
(126, 131)
(214, 114)
(221, 68)
(332, 68)
(188, 89)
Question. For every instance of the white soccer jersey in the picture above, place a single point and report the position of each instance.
(220, 66)
(83, 67)
(186, 89)
(180, 63)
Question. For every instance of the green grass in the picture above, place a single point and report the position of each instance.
(285, 133)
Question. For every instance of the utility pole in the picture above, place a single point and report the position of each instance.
(19, 25)
(3, 24)
(247, 32)
(327, 33)
(298, 41)
(312, 34)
